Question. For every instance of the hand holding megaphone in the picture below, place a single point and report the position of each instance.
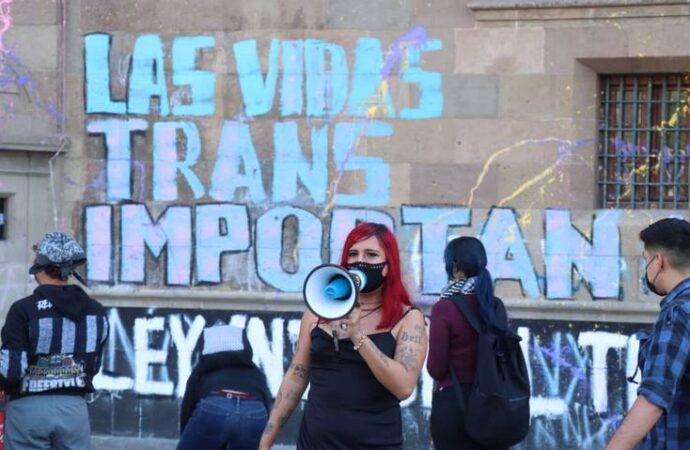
(331, 292)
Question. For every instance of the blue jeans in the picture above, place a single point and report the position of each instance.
(218, 422)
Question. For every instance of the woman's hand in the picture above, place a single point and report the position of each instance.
(350, 324)
(266, 442)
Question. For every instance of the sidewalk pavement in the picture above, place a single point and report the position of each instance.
(145, 443)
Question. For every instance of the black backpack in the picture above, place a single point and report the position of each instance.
(497, 412)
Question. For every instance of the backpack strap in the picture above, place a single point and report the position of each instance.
(460, 301)
(501, 314)
(457, 389)
(476, 321)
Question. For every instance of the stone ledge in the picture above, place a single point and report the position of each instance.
(538, 10)
(591, 310)
(198, 299)
(540, 309)
(580, 310)
(529, 4)
(50, 145)
(637, 65)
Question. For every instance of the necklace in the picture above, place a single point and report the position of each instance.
(373, 309)
(370, 311)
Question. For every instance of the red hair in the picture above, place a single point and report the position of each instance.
(395, 295)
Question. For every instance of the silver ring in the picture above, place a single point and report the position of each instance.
(343, 326)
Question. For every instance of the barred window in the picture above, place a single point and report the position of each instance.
(3, 201)
(644, 141)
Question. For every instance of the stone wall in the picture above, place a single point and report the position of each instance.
(211, 153)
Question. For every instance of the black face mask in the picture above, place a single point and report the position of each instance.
(374, 274)
(650, 284)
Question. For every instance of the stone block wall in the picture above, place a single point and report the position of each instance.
(216, 151)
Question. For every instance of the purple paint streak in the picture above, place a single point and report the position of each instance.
(5, 21)
(5, 24)
(99, 181)
(562, 357)
(629, 151)
(24, 82)
(567, 149)
(415, 38)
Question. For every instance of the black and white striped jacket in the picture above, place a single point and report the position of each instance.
(52, 342)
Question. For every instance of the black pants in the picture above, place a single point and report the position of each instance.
(447, 422)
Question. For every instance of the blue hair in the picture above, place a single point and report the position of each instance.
(467, 254)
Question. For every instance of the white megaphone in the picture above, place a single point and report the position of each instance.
(331, 292)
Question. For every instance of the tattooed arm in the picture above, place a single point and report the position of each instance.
(400, 374)
(293, 385)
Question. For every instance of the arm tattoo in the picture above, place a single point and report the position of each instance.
(417, 338)
(269, 428)
(300, 370)
(421, 330)
(292, 395)
(407, 356)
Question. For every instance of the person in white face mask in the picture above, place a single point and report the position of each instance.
(660, 416)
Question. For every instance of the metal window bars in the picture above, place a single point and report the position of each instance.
(644, 141)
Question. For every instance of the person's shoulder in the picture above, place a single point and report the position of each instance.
(682, 307)
(27, 301)
(94, 306)
(309, 320)
(413, 312)
(309, 317)
(443, 305)
(412, 317)
(23, 308)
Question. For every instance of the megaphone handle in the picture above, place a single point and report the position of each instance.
(335, 341)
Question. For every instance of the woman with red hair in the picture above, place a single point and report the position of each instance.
(357, 384)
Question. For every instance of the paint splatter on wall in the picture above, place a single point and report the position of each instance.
(168, 222)
(577, 372)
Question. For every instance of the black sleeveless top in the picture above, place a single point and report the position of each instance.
(348, 408)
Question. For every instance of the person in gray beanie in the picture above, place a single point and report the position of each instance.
(52, 343)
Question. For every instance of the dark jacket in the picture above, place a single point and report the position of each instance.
(52, 342)
(224, 370)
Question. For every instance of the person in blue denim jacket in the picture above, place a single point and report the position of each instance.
(226, 400)
(660, 416)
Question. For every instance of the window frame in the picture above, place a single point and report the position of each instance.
(643, 159)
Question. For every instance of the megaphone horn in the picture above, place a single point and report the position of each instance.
(331, 292)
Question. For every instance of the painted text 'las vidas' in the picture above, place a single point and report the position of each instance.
(232, 210)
